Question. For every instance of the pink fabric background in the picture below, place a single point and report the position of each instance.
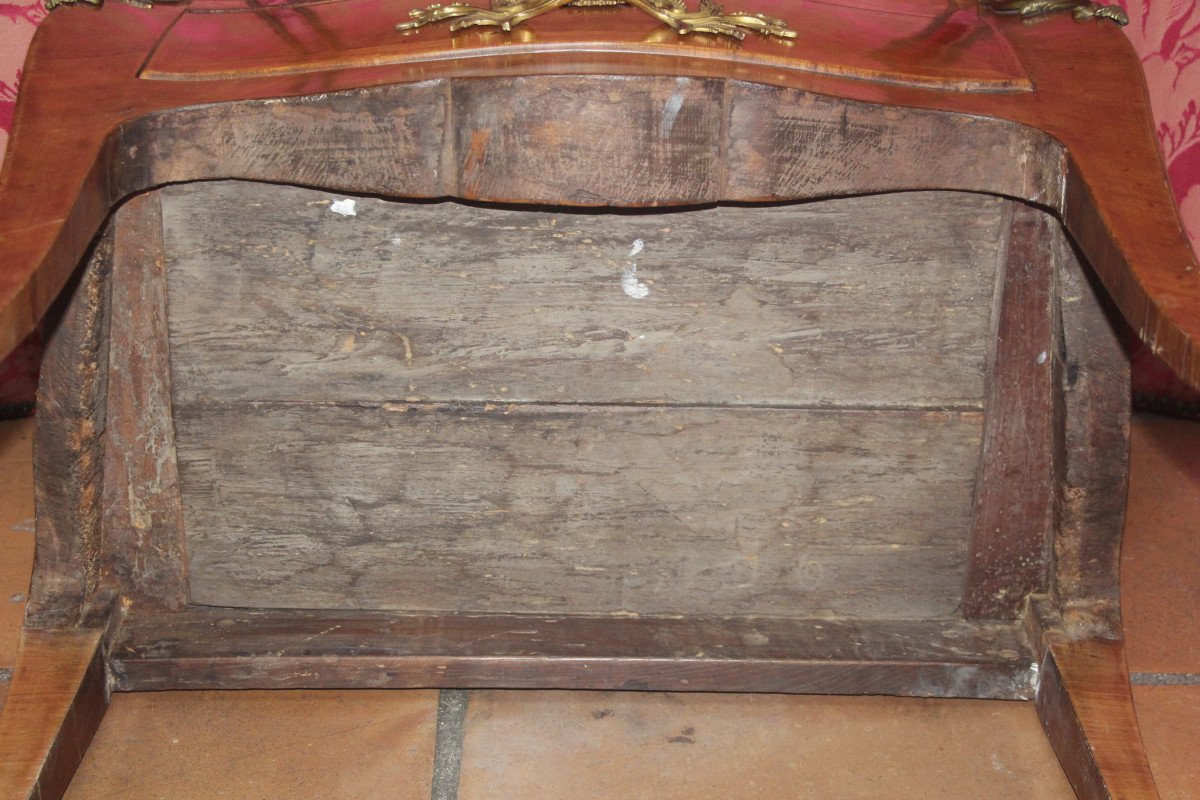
(1165, 32)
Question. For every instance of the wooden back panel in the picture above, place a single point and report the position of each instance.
(733, 410)
(599, 141)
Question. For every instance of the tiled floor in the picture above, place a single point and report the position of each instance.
(615, 746)
(16, 532)
(534, 745)
(1160, 583)
(299, 744)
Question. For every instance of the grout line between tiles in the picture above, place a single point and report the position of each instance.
(1164, 679)
(448, 745)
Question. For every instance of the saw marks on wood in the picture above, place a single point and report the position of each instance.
(437, 406)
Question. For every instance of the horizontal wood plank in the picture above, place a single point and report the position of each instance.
(578, 509)
(236, 648)
(871, 301)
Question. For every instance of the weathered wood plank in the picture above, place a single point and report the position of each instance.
(143, 550)
(388, 139)
(1095, 475)
(578, 509)
(53, 708)
(69, 449)
(846, 302)
(1018, 471)
(239, 648)
(788, 144)
(645, 140)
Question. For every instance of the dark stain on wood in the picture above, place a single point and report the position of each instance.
(238, 648)
(68, 449)
(1095, 476)
(1015, 491)
(143, 554)
(371, 140)
(590, 141)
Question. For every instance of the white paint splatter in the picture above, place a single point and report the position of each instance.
(1042, 356)
(343, 207)
(671, 109)
(631, 285)
(637, 247)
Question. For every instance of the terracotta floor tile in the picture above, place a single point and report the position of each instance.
(1169, 717)
(16, 449)
(596, 745)
(324, 745)
(16, 530)
(1160, 558)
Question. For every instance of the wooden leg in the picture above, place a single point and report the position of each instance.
(1086, 707)
(54, 707)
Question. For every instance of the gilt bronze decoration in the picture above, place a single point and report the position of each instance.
(710, 18)
(1080, 9)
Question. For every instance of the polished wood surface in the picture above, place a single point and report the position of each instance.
(53, 708)
(1086, 708)
(910, 42)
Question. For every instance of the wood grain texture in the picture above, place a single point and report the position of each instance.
(69, 449)
(363, 419)
(53, 708)
(578, 509)
(1015, 491)
(238, 648)
(644, 139)
(591, 140)
(387, 141)
(1095, 473)
(1086, 707)
(869, 42)
(837, 303)
(1107, 182)
(795, 144)
(143, 550)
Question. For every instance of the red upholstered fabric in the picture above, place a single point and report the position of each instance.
(1165, 32)
(18, 18)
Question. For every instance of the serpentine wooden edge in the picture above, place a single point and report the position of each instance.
(100, 84)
